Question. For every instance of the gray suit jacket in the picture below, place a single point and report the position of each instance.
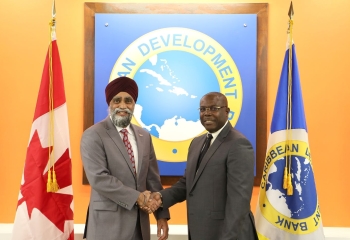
(218, 195)
(114, 187)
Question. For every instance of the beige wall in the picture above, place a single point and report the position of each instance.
(321, 34)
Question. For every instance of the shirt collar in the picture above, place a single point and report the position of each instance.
(215, 134)
(127, 128)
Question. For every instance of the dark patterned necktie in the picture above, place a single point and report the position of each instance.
(204, 149)
(128, 148)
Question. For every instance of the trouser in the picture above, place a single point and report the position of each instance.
(137, 232)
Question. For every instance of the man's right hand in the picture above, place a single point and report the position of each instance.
(153, 202)
(142, 201)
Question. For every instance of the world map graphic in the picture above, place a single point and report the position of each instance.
(302, 203)
(171, 85)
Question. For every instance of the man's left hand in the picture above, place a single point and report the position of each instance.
(162, 229)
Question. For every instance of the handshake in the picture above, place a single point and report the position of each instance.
(149, 202)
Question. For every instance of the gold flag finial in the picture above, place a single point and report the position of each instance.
(291, 11)
(53, 20)
(291, 15)
(53, 9)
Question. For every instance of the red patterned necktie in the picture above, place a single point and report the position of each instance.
(128, 148)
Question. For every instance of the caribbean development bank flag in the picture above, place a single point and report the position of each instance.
(45, 201)
(288, 207)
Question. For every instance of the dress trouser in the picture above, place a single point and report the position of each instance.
(137, 232)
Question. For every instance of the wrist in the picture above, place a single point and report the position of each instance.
(140, 200)
(161, 198)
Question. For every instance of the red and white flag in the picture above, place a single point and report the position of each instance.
(45, 201)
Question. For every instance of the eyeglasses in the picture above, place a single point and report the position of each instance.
(211, 109)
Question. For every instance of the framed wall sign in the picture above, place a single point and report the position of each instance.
(176, 53)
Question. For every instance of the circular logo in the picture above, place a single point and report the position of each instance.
(174, 68)
(296, 213)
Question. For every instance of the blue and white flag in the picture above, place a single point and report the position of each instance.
(288, 207)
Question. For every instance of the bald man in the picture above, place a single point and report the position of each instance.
(121, 167)
(219, 177)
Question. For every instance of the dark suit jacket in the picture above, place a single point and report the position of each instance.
(114, 188)
(218, 196)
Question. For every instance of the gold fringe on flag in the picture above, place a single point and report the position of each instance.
(49, 181)
(285, 185)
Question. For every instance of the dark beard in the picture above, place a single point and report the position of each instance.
(120, 121)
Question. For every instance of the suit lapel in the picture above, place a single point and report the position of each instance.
(212, 149)
(193, 159)
(115, 136)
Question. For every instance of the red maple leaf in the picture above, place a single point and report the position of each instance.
(55, 206)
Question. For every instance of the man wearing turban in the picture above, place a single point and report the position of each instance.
(121, 167)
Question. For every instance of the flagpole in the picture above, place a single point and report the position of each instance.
(52, 185)
(287, 177)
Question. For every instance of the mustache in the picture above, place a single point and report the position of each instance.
(117, 110)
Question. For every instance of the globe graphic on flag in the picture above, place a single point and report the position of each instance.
(171, 85)
(303, 202)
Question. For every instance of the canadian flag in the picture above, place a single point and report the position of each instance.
(45, 201)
